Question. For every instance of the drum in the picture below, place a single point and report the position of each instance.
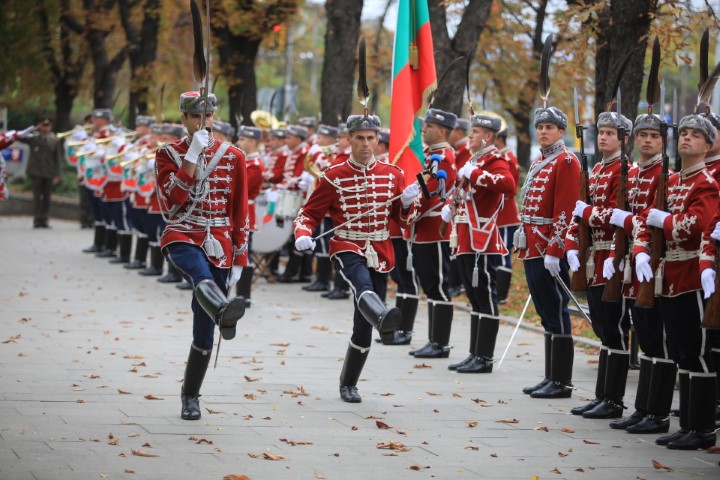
(288, 204)
(270, 237)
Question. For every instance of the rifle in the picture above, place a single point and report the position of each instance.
(578, 282)
(711, 317)
(613, 288)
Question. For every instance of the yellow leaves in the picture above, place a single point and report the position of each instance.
(395, 446)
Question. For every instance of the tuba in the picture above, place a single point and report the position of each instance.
(264, 119)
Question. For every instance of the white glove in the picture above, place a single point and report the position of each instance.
(573, 260)
(656, 217)
(314, 149)
(79, 135)
(580, 207)
(272, 196)
(707, 278)
(409, 194)
(446, 214)
(642, 267)
(304, 243)
(609, 267)
(306, 179)
(466, 170)
(151, 163)
(618, 217)
(715, 235)
(235, 273)
(552, 265)
(26, 133)
(200, 141)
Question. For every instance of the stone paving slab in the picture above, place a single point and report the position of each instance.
(84, 342)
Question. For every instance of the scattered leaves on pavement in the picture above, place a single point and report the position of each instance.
(294, 443)
(382, 425)
(141, 453)
(659, 466)
(153, 397)
(396, 446)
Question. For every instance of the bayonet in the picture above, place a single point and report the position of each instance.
(577, 108)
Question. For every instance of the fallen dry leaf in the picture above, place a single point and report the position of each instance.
(147, 445)
(457, 395)
(250, 396)
(319, 476)
(590, 442)
(508, 420)
(235, 476)
(659, 466)
(540, 428)
(433, 394)
(299, 393)
(417, 467)
(153, 397)
(320, 327)
(12, 339)
(373, 417)
(493, 455)
(280, 344)
(382, 425)
(294, 443)
(396, 446)
(567, 430)
(141, 364)
(141, 453)
(353, 427)
(112, 440)
(472, 424)
(267, 456)
(470, 447)
(422, 365)
(127, 470)
(133, 357)
(387, 394)
(80, 401)
(714, 449)
(123, 392)
(556, 470)
(213, 412)
(251, 379)
(562, 454)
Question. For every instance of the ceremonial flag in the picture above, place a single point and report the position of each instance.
(414, 79)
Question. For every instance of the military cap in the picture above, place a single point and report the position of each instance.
(144, 120)
(192, 102)
(156, 128)
(647, 121)
(327, 130)
(614, 120)
(105, 113)
(462, 124)
(342, 129)
(355, 123)
(700, 123)
(487, 121)
(278, 133)
(298, 131)
(250, 132)
(440, 117)
(307, 122)
(551, 115)
(384, 136)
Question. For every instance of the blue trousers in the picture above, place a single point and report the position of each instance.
(193, 264)
(96, 205)
(506, 233)
(353, 268)
(405, 279)
(431, 262)
(688, 342)
(154, 226)
(549, 298)
(609, 321)
(136, 218)
(483, 297)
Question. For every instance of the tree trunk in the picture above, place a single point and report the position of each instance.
(99, 26)
(341, 40)
(450, 94)
(142, 51)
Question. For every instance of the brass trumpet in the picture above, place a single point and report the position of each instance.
(87, 128)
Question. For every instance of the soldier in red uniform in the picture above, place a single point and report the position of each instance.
(275, 156)
(361, 249)
(460, 142)
(656, 382)
(7, 139)
(548, 196)
(692, 204)
(430, 251)
(476, 240)
(202, 185)
(508, 219)
(249, 139)
(607, 317)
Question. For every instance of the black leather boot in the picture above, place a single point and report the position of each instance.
(377, 314)
(599, 385)
(484, 347)
(715, 357)
(408, 307)
(141, 250)
(172, 275)
(659, 398)
(306, 268)
(111, 243)
(98, 240)
(225, 313)
(125, 243)
(612, 406)
(197, 364)
(548, 362)
(427, 345)
(184, 285)
(322, 277)
(684, 394)
(474, 320)
(634, 349)
(292, 268)
(244, 286)
(155, 269)
(701, 414)
(340, 289)
(641, 397)
(561, 365)
(440, 336)
(352, 368)
(504, 277)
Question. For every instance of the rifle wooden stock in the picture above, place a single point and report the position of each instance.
(646, 290)
(711, 317)
(578, 282)
(613, 288)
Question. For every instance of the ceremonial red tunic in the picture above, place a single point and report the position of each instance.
(462, 153)
(692, 203)
(255, 169)
(476, 218)
(224, 208)
(349, 189)
(508, 216)
(708, 248)
(548, 198)
(276, 165)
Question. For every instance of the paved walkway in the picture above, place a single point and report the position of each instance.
(92, 357)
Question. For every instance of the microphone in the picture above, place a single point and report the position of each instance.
(441, 176)
(435, 160)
